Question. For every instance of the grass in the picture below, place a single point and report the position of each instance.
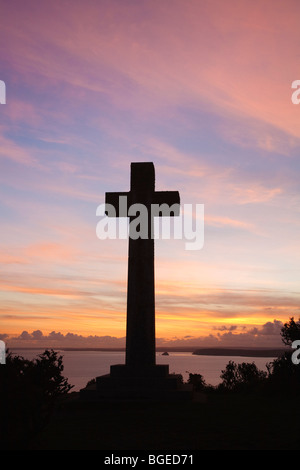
(222, 422)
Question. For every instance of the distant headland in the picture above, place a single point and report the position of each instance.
(246, 352)
(208, 351)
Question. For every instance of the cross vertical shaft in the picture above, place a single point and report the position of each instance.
(140, 329)
(140, 335)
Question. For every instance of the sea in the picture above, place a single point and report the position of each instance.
(80, 366)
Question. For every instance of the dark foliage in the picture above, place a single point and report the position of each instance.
(290, 332)
(282, 376)
(197, 381)
(28, 393)
(244, 376)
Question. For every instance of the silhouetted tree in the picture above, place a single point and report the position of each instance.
(244, 376)
(229, 376)
(197, 381)
(28, 393)
(179, 377)
(290, 331)
(284, 375)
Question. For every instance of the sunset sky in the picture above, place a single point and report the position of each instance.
(201, 88)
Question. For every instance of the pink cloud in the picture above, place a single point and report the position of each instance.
(224, 56)
(227, 221)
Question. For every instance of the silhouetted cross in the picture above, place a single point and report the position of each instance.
(140, 332)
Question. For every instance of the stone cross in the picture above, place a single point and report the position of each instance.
(140, 330)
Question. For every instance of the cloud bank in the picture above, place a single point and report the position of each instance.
(268, 335)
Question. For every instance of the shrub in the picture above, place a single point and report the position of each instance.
(284, 376)
(28, 393)
(197, 381)
(244, 376)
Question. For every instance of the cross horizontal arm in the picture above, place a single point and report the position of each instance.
(166, 203)
(120, 205)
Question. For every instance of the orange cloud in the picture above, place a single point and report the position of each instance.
(39, 290)
(49, 251)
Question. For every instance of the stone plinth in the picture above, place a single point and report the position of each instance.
(124, 382)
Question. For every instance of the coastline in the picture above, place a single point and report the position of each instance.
(209, 351)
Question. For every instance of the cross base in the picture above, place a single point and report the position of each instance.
(145, 383)
(152, 371)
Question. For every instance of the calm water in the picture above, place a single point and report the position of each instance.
(82, 366)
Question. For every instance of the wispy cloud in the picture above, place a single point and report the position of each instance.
(12, 151)
(140, 63)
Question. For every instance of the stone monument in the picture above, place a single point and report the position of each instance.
(140, 376)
